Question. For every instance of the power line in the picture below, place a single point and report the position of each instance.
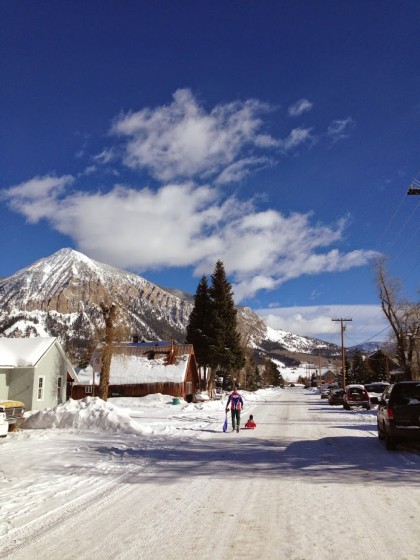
(369, 339)
(403, 226)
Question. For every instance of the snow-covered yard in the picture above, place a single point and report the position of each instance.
(145, 478)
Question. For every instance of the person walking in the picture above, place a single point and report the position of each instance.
(236, 405)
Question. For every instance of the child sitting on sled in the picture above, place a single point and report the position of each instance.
(250, 424)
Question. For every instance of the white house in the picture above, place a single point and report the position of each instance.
(35, 371)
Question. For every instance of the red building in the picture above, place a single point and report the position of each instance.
(140, 369)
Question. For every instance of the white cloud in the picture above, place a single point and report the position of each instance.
(188, 225)
(182, 140)
(300, 107)
(240, 169)
(89, 170)
(297, 137)
(368, 321)
(340, 129)
(37, 198)
(106, 156)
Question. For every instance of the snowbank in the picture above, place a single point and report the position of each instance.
(90, 413)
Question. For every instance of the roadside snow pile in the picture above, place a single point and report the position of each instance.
(155, 400)
(90, 413)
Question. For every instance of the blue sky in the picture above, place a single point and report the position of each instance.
(159, 137)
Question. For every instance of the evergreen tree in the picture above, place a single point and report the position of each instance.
(225, 349)
(361, 371)
(198, 327)
(272, 374)
(357, 369)
(368, 374)
(379, 366)
(259, 377)
(252, 378)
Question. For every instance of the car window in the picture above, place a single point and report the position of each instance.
(376, 388)
(406, 394)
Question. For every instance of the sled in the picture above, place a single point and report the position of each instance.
(225, 424)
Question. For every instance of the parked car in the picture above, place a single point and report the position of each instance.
(13, 411)
(355, 395)
(375, 390)
(398, 415)
(324, 392)
(336, 396)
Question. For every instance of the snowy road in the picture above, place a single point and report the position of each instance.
(311, 482)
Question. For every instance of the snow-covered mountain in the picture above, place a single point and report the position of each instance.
(296, 343)
(60, 296)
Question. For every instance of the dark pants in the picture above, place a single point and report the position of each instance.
(236, 418)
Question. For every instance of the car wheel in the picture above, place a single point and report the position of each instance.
(390, 442)
(346, 406)
(367, 407)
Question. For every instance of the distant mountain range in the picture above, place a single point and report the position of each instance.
(60, 296)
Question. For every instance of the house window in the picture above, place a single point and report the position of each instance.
(41, 386)
(59, 388)
(88, 389)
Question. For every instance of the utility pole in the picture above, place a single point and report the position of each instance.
(319, 369)
(343, 355)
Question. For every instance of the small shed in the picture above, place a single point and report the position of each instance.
(144, 368)
(35, 371)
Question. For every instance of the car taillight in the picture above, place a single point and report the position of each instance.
(390, 413)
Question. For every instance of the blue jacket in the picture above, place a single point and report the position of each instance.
(235, 401)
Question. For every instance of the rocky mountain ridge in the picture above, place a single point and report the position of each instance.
(60, 296)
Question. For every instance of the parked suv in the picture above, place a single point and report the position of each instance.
(355, 395)
(399, 413)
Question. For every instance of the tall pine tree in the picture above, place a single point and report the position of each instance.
(198, 326)
(225, 349)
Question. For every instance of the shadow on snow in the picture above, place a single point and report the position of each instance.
(331, 460)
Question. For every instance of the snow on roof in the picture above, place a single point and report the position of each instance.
(139, 369)
(23, 352)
